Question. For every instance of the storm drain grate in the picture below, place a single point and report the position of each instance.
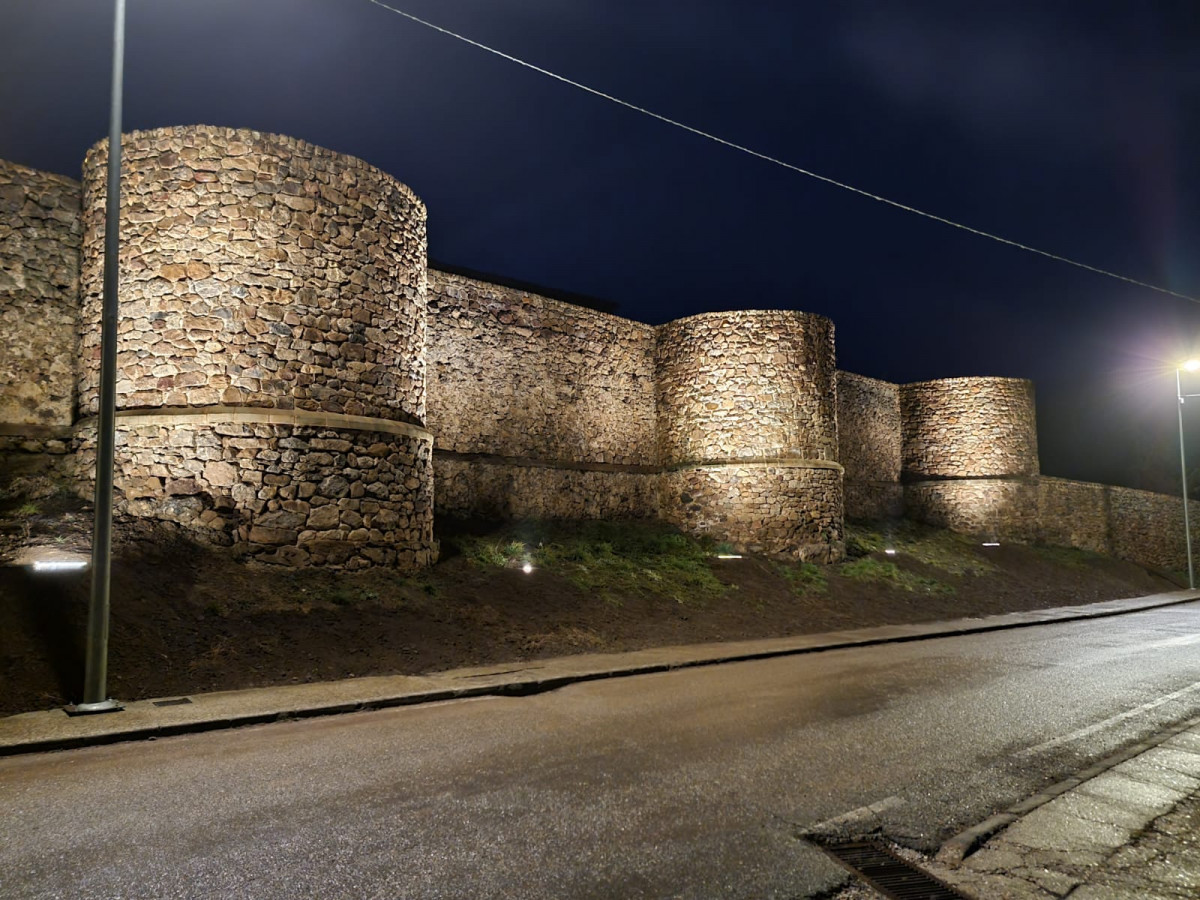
(888, 873)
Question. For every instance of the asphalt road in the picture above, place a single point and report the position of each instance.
(685, 784)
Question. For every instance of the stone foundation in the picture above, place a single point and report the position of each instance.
(36, 462)
(496, 489)
(786, 509)
(867, 501)
(992, 509)
(280, 492)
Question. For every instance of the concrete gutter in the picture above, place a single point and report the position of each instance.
(53, 729)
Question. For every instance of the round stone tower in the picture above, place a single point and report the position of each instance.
(969, 454)
(747, 431)
(271, 353)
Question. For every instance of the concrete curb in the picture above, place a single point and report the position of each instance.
(37, 732)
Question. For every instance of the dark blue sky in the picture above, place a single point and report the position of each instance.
(1073, 126)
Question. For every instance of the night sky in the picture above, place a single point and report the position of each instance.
(1073, 126)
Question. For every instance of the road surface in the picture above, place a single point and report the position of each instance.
(692, 783)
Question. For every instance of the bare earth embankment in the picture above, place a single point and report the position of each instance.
(188, 618)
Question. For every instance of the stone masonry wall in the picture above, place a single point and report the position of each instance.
(272, 317)
(277, 322)
(746, 385)
(969, 455)
(968, 428)
(1116, 521)
(992, 509)
(518, 375)
(281, 493)
(747, 428)
(495, 489)
(257, 270)
(558, 400)
(771, 508)
(868, 418)
(39, 295)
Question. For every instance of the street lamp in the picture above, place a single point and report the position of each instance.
(1192, 365)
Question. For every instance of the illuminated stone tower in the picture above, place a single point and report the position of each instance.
(747, 431)
(271, 345)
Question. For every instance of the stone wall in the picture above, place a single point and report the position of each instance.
(257, 270)
(283, 347)
(1116, 521)
(500, 489)
(747, 429)
(969, 455)
(778, 509)
(968, 428)
(272, 328)
(755, 384)
(538, 407)
(992, 509)
(868, 419)
(39, 295)
(37, 461)
(518, 375)
(279, 490)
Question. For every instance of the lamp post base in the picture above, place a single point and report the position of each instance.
(89, 709)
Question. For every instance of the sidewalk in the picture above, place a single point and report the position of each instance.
(1124, 830)
(54, 730)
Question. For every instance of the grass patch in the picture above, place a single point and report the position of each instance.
(805, 578)
(884, 572)
(607, 559)
(954, 554)
(1065, 556)
(484, 553)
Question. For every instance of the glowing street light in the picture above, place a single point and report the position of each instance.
(1192, 365)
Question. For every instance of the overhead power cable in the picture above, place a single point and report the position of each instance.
(779, 162)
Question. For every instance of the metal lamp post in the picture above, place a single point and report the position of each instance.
(1191, 365)
(95, 699)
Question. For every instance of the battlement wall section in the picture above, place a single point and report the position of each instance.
(868, 419)
(40, 233)
(538, 407)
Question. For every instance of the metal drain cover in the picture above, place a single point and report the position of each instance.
(892, 876)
